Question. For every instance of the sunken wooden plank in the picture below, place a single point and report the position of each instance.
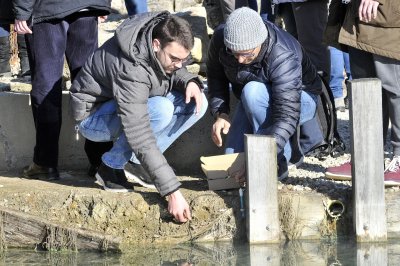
(262, 219)
(369, 216)
(24, 230)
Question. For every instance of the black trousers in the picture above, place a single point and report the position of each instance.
(75, 37)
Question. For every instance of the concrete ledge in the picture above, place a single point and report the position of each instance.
(17, 138)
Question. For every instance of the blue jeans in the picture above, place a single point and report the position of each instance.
(169, 116)
(136, 6)
(254, 109)
(4, 30)
(339, 62)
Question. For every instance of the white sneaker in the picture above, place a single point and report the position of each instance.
(135, 173)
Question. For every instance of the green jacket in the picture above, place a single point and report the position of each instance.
(380, 36)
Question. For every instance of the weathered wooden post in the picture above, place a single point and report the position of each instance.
(262, 219)
(369, 216)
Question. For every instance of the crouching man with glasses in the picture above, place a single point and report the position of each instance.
(135, 91)
(271, 76)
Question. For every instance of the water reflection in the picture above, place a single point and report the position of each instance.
(333, 253)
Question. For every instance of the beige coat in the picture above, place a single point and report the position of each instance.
(381, 36)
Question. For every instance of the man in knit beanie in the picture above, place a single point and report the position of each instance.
(270, 75)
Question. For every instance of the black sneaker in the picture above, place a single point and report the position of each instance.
(35, 171)
(137, 174)
(113, 180)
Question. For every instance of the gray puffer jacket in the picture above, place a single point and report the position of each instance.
(125, 68)
(282, 63)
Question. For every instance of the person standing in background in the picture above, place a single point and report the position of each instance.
(340, 62)
(372, 56)
(136, 6)
(306, 20)
(54, 29)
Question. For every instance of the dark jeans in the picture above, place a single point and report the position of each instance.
(307, 23)
(76, 38)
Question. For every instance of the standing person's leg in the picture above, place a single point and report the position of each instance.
(311, 19)
(82, 42)
(361, 63)
(337, 68)
(141, 6)
(346, 59)
(130, 7)
(253, 5)
(337, 77)
(286, 13)
(388, 71)
(23, 56)
(47, 47)
(5, 51)
(266, 8)
(136, 6)
(362, 66)
(227, 6)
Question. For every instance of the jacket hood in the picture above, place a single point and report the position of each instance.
(134, 34)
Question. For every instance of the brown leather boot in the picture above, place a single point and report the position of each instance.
(35, 171)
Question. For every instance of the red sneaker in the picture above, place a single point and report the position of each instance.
(341, 172)
(392, 172)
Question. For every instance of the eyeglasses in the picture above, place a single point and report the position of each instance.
(174, 59)
(235, 54)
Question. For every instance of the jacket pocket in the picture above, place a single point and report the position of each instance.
(388, 15)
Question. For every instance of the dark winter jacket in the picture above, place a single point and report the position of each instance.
(6, 13)
(45, 10)
(126, 69)
(281, 62)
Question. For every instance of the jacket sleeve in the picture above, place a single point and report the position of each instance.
(23, 9)
(286, 86)
(132, 96)
(218, 83)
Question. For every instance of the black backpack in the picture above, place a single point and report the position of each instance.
(326, 120)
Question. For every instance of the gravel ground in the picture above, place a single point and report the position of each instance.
(311, 174)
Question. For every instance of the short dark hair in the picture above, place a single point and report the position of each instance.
(174, 29)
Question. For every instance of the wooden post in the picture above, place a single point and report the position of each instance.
(369, 216)
(262, 219)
